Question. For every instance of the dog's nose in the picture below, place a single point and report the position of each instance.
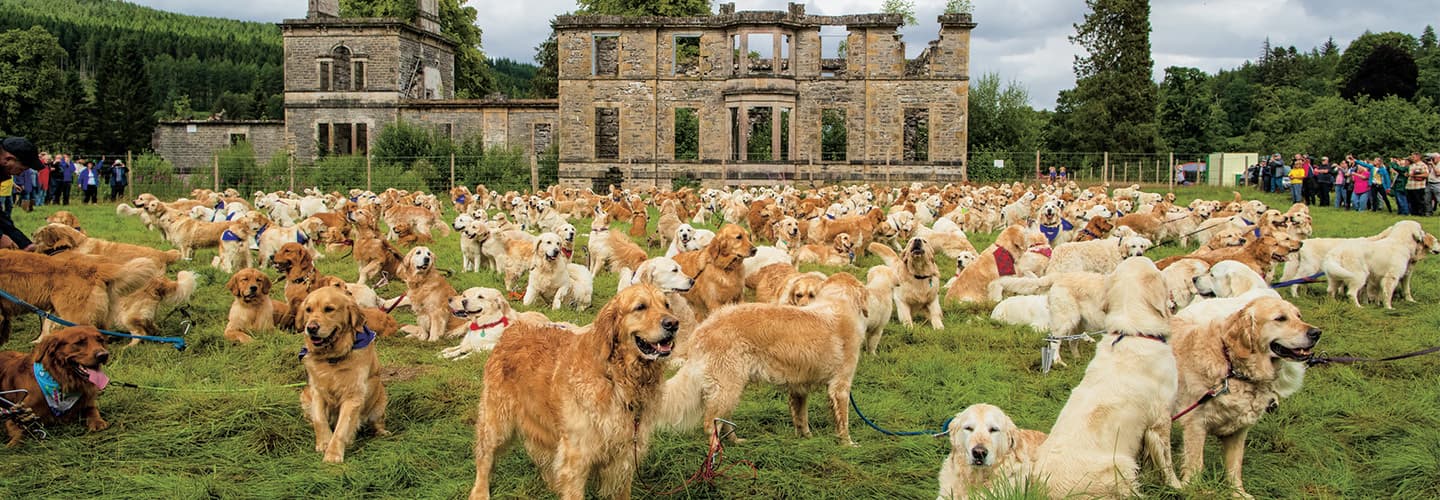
(312, 328)
(979, 452)
(670, 324)
(753, 250)
(253, 288)
(1313, 334)
(103, 356)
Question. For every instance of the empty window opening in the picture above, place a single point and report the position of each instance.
(917, 134)
(237, 139)
(358, 74)
(735, 55)
(784, 153)
(340, 69)
(325, 74)
(784, 55)
(833, 47)
(759, 147)
(735, 135)
(607, 133)
(340, 142)
(607, 55)
(362, 139)
(687, 134)
(761, 52)
(687, 55)
(833, 141)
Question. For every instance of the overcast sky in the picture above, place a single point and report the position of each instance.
(1023, 40)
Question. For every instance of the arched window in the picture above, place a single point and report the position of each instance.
(340, 68)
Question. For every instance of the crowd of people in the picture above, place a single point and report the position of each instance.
(1354, 184)
(59, 175)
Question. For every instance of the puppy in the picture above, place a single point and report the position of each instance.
(985, 446)
(253, 310)
(343, 372)
(61, 378)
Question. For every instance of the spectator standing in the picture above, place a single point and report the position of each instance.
(120, 177)
(1342, 184)
(89, 183)
(67, 178)
(1380, 181)
(1278, 173)
(1062, 176)
(1309, 181)
(1401, 169)
(1324, 180)
(1052, 174)
(17, 155)
(42, 183)
(106, 171)
(1360, 176)
(1297, 181)
(1432, 181)
(7, 195)
(1415, 177)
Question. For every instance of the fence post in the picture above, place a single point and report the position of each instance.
(1171, 174)
(1105, 170)
(1037, 164)
(452, 170)
(290, 164)
(216, 172)
(368, 173)
(535, 173)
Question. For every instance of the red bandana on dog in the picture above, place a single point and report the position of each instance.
(1004, 262)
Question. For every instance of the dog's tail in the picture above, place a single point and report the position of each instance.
(181, 292)
(1019, 286)
(682, 402)
(1238, 199)
(126, 209)
(886, 253)
(1335, 268)
(122, 279)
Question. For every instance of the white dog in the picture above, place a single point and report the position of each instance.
(489, 315)
(554, 279)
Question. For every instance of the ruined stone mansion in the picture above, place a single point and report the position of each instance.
(750, 96)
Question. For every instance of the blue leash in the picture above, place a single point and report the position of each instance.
(944, 427)
(178, 342)
(1299, 281)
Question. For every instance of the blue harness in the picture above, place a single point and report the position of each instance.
(58, 400)
(363, 338)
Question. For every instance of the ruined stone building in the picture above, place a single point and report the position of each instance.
(751, 96)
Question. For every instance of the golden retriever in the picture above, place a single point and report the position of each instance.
(556, 281)
(72, 359)
(374, 255)
(253, 310)
(717, 270)
(343, 389)
(985, 446)
(56, 238)
(82, 290)
(840, 252)
(489, 315)
(919, 281)
(428, 294)
(65, 218)
(582, 401)
(1121, 408)
(800, 348)
(1377, 266)
(1240, 354)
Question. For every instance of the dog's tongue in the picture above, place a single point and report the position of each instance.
(97, 377)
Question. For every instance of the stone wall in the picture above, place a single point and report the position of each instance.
(191, 145)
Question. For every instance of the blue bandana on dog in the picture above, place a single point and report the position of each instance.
(1051, 232)
(58, 400)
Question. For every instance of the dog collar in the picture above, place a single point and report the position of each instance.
(58, 400)
(1230, 365)
(363, 338)
(1121, 336)
(261, 231)
(503, 321)
(924, 277)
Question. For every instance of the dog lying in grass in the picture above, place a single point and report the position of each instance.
(61, 378)
(986, 447)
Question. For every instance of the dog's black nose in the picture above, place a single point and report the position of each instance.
(103, 357)
(1313, 334)
(312, 328)
(979, 452)
(670, 324)
(253, 288)
(753, 250)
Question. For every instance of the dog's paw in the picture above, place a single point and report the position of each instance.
(97, 424)
(334, 458)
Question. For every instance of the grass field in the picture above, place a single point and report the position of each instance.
(227, 431)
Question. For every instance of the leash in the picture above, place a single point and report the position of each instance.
(1223, 388)
(710, 468)
(178, 342)
(1299, 281)
(395, 304)
(944, 427)
(207, 391)
(1323, 360)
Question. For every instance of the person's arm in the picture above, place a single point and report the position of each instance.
(7, 228)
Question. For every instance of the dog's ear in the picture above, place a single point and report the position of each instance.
(47, 352)
(357, 316)
(1248, 352)
(265, 286)
(233, 285)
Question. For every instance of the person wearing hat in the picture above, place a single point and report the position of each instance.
(17, 155)
(119, 178)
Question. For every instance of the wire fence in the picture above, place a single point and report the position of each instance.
(179, 176)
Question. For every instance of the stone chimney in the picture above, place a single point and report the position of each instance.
(323, 8)
(797, 9)
(427, 17)
(727, 9)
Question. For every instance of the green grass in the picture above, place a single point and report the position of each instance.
(1353, 431)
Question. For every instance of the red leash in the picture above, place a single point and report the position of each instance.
(710, 469)
(396, 303)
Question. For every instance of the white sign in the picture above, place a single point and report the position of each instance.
(190, 129)
(999, 163)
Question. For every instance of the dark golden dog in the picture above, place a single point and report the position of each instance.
(70, 360)
(344, 385)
